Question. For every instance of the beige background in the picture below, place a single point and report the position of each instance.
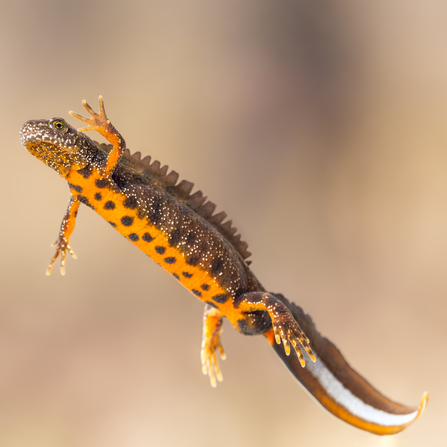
(319, 126)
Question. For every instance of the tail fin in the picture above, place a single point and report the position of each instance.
(340, 389)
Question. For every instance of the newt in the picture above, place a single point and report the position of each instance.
(182, 233)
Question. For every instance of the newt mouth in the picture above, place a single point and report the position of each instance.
(24, 136)
(26, 130)
(29, 136)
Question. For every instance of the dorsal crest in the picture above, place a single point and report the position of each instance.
(153, 171)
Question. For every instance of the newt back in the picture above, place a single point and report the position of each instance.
(158, 174)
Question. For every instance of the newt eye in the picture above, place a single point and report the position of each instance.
(59, 125)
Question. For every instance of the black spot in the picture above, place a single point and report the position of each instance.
(120, 181)
(160, 250)
(156, 210)
(211, 304)
(98, 196)
(217, 266)
(113, 224)
(190, 238)
(147, 237)
(244, 326)
(84, 200)
(133, 237)
(175, 276)
(193, 259)
(141, 213)
(109, 205)
(86, 172)
(196, 292)
(240, 291)
(187, 275)
(101, 183)
(127, 221)
(174, 237)
(222, 298)
(77, 188)
(253, 323)
(170, 260)
(205, 287)
(131, 202)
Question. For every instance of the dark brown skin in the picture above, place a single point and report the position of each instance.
(180, 232)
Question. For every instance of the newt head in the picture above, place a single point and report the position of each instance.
(59, 145)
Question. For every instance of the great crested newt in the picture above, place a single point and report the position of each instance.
(200, 248)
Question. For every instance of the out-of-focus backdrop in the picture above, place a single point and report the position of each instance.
(318, 126)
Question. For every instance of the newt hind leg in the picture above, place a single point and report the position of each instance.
(285, 328)
(212, 330)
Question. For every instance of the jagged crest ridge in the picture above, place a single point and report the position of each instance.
(182, 191)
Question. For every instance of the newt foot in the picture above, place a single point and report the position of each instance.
(62, 247)
(288, 331)
(97, 121)
(208, 355)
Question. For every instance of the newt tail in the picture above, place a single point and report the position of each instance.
(340, 389)
(180, 231)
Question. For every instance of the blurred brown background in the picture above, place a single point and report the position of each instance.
(319, 126)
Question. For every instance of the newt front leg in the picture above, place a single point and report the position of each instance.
(67, 227)
(100, 123)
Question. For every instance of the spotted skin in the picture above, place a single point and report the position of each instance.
(172, 227)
